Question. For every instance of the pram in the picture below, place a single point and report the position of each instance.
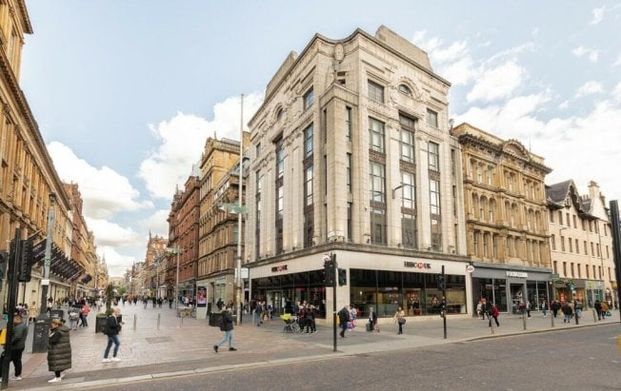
(291, 323)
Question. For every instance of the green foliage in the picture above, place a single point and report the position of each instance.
(109, 296)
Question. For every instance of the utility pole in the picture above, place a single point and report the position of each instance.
(14, 260)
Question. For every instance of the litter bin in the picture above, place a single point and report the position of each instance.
(214, 319)
(41, 335)
(57, 314)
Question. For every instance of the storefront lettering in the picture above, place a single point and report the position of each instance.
(417, 265)
(280, 268)
(517, 274)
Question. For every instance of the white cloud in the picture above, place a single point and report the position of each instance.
(497, 83)
(618, 61)
(589, 88)
(157, 222)
(598, 15)
(592, 54)
(108, 233)
(104, 191)
(182, 139)
(117, 263)
(616, 93)
(563, 105)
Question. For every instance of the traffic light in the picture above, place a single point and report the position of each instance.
(25, 261)
(4, 261)
(329, 267)
(441, 282)
(342, 277)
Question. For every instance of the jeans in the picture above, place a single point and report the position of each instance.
(228, 336)
(112, 339)
(16, 358)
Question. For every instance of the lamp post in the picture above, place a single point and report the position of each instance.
(45, 281)
(239, 216)
(176, 250)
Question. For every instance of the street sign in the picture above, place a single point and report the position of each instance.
(469, 268)
(554, 276)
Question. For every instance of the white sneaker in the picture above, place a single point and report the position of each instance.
(116, 359)
(16, 378)
(55, 380)
(106, 360)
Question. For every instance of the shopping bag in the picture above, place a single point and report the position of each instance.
(3, 337)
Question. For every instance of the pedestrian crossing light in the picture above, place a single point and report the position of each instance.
(441, 283)
(342, 277)
(329, 266)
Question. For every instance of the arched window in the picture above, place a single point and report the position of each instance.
(515, 220)
(492, 209)
(483, 208)
(405, 90)
(475, 205)
(279, 114)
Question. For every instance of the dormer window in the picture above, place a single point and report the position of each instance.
(405, 90)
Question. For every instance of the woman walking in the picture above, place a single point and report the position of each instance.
(58, 350)
(400, 319)
(111, 329)
(226, 325)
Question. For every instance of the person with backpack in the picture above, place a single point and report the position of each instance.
(567, 312)
(343, 319)
(226, 325)
(112, 329)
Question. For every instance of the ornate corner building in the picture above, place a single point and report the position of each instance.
(351, 154)
(506, 219)
(581, 240)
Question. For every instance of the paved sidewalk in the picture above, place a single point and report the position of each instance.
(188, 346)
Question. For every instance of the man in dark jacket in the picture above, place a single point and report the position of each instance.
(18, 343)
(58, 350)
(226, 325)
(343, 319)
(112, 329)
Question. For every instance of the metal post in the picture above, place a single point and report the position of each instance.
(14, 259)
(524, 318)
(238, 280)
(616, 244)
(134, 322)
(158, 320)
(45, 280)
(177, 250)
(444, 302)
(334, 314)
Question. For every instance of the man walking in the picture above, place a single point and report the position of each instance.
(18, 344)
(112, 329)
(343, 319)
(226, 325)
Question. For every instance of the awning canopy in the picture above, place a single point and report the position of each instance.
(60, 264)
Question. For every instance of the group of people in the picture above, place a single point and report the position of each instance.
(78, 314)
(488, 310)
(59, 341)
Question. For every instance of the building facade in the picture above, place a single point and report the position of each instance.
(581, 241)
(29, 184)
(214, 260)
(154, 269)
(506, 213)
(183, 235)
(351, 154)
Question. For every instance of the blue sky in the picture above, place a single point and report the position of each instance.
(125, 92)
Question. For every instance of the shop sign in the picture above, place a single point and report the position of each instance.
(517, 274)
(279, 268)
(469, 268)
(417, 265)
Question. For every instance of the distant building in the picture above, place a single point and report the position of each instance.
(581, 240)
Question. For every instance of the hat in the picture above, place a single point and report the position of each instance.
(57, 321)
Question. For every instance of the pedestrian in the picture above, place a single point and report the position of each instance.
(528, 307)
(578, 308)
(226, 325)
(480, 314)
(112, 329)
(598, 309)
(58, 350)
(544, 308)
(258, 312)
(493, 314)
(605, 309)
(343, 319)
(18, 344)
(373, 320)
(555, 307)
(74, 316)
(32, 312)
(353, 315)
(84, 311)
(400, 319)
(567, 312)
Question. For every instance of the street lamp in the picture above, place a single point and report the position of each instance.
(176, 250)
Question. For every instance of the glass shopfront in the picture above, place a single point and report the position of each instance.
(283, 291)
(507, 294)
(416, 293)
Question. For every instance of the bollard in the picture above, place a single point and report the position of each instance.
(182, 321)
(552, 319)
(594, 316)
(524, 319)
(158, 320)
(134, 322)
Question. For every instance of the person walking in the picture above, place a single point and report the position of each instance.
(544, 308)
(373, 320)
(84, 311)
(567, 312)
(400, 319)
(112, 329)
(58, 350)
(343, 319)
(226, 325)
(528, 307)
(555, 307)
(493, 314)
(598, 309)
(18, 344)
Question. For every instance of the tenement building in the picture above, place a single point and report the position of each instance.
(29, 185)
(154, 266)
(505, 206)
(581, 240)
(352, 155)
(217, 223)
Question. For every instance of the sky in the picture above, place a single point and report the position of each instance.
(126, 92)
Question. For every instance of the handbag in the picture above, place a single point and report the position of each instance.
(401, 321)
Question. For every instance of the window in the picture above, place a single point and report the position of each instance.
(308, 186)
(562, 243)
(560, 218)
(571, 246)
(309, 98)
(408, 190)
(436, 234)
(405, 90)
(407, 145)
(551, 217)
(586, 268)
(555, 266)
(592, 249)
(553, 242)
(257, 149)
(577, 247)
(280, 201)
(579, 266)
(376, 92)
(279, 114)
(408, 230)
(575, 221)
(376, 135)
(378, 226)
(280, 159)
(348, 122)
(572, 269)
(349, 173)
(434, 156)
(432, 118)
(308, 141)
(607, 253)
(586, 250)
(564, 269)
(349, 222)
(567, 221)
(377, 175)
(434, 196)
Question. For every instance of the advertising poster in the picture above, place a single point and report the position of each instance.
(201, 297)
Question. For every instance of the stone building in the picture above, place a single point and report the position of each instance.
(581, 240)
(29, 184)
(183, 235)
(154, 266)
(506, 215)
(216, 257)
(351, 154)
